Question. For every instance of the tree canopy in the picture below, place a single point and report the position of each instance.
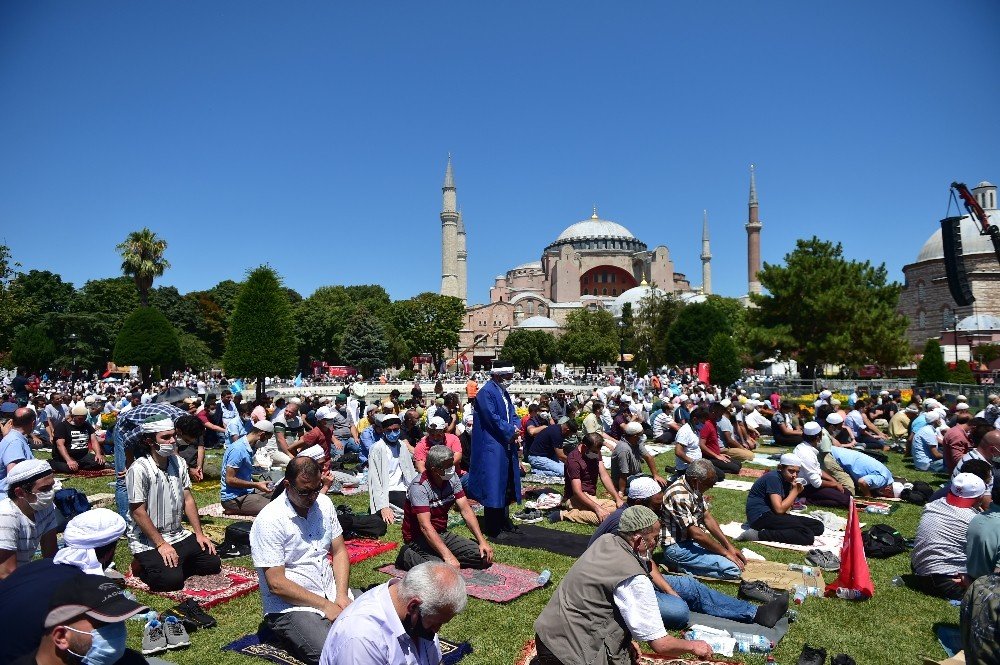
(148, 341)
(364, 346)
(429, 323)
(527, 349)
(691, 333)
(656, 313)
(931, 368)
(142, 260)
(724, 359)
(821, 308)
(33, 349)
(590, 338)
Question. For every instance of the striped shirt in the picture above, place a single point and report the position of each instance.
(162, 492)
(682, 508)
(20, 534)
(423, 497)
(939, 547)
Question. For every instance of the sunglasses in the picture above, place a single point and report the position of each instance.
(307, 493)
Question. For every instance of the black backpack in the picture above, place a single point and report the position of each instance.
(237, 542)
(919, 494)
(881, 541)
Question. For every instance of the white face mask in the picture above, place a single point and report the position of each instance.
(544, 415)
(166, 449)
(448, 473)
(43, 500)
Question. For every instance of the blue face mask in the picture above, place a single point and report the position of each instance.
(107, 644)
(392, 436)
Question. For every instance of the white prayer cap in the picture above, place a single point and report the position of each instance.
(324, 413)
(294, 400)
(961, 406)
(790, 459)
(962, 398)
(726, 402)
(825, 394)
(932, 417)
(264, 426)
(755, 396)
(835, 419)
(897, 489)
(633, 428)
(85, 532)
(315, 452)
(28, 470)
(468, 420)
(749, 405)
(931, 403)
(157, 423)
(502, 368)
(643, 487)
(811, 428)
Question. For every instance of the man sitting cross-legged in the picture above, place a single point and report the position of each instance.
(292, 542)
(691, 538)
(425, 518)
(164, 553)
(583, 469)
(679, 595)
(237, 488)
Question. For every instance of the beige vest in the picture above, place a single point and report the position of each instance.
(581, 624)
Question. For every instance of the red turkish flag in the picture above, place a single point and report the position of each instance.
(854, 572)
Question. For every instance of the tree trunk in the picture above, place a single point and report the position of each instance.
(261, 388)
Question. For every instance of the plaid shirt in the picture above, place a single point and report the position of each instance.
(130, 423)
(682, 508)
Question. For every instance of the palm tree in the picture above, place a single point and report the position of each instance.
(142, 259)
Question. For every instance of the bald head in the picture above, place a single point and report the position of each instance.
(989, 445)
(24, 419)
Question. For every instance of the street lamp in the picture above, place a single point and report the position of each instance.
(621, 346)
(72, 341)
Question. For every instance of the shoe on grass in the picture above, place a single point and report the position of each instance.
(842, 659)
(555, 516)
(772, 612)
(811, 656)
(193, 611)
(177, 636)
(154, 639)
(760, 591)
(822, 559)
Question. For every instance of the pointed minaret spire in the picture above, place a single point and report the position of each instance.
(753, 237)
(706, 257)
(449, 175)
(594, 216)
(753, 188)
(449, 235)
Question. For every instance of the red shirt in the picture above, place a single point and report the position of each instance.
(956, 443)
(709, 436)
(316, 436)
(450, 440)
(423, 497)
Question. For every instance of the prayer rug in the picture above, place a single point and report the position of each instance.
(763, 460)
(751, 473)
(102, 500)
(657, 449)
(499, 583)
(253, 645)
(779, 576)
(206, 486)
(208, 590)
(216, 510)
(95, 473)
(533, 537)
(536, 479)
(215, 532)
(359, 549)
(949, 637)
(528, 652)
(831, 541)
(738, 485)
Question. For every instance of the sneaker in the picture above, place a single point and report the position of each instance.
(529, 516)
(177, 636)
(842, 659)
(192, 610)
(154, 640)
(811, 656)
(823, 559)
(759, 591)
(555, 516)
(748, 534)
(189, 625)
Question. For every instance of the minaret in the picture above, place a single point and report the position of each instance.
(463, 275)
(449, 235)
(753, 238)
(706, 257)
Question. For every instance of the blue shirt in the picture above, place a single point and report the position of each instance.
(856, 422)
(923, 441)
(368, 438)
(546, 442)
(759, 499)
(239, 457)
(918, 422)
(858, 465)
(13, 448)
(235, 428)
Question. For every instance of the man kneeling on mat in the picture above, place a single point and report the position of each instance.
(425, 518)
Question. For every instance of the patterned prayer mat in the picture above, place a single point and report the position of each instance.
(208, 590)
(251, 645)
(206, 486)
(359, 549)
(499, 583)
(96, 473)
(830, 541)
(216, 510)
(528, 652)
(751, 473)
(536, 479)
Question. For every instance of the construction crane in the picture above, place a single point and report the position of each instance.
(951, 240)
(977, 213)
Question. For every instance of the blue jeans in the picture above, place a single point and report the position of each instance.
(350, 446)
(544, 466)
(121, 492)
(937, 466)
(692, 558)
(693, 596)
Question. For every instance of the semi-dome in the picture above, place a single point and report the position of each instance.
(538, 322)
(979, 322)
(972, 241)
(635, 296)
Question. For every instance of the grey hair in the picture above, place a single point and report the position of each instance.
(699, 470)
(438, 587)
(439, 456)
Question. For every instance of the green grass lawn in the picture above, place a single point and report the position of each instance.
(896, 626)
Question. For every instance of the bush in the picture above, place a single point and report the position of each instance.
(147, 340)
(33, 349)
(932, 368)
(962, 373)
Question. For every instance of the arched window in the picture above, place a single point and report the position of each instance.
(604, 292)
(585, 292)
(922, 320)
(531, 308)
(614, 292)
(947, 318)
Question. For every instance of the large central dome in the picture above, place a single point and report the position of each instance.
(972, 241)
(595, 227)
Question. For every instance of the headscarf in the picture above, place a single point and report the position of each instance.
(85, 532)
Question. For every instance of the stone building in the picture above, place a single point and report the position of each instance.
(925, 299)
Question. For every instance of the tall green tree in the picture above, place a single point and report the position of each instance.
(33, 349)
(148, 341)
(142, 260)
(13, 309)
(691, 333)
(627, 329)
(321, 319)
(261, 336)
(724, 357)
(590, 338)
(42, 292)
(429, 323)
(528, 349)
(181, 311)
(365, 345)
(822, 308)
(962, 373)
(931, 368)
(195, 354)
(656, 313)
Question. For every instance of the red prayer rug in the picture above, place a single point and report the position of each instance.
(752, 473)
(499, 583)
(528, 652)
(359, 549)
(94, 473)
(208, 590)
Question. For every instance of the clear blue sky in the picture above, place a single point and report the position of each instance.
(313, 135)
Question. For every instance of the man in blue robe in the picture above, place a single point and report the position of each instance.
(494, 469)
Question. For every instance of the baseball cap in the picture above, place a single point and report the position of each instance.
(437, 422)
(324, 413)
(8, 408)
(341, 398)
(95, 596)
(965, 490)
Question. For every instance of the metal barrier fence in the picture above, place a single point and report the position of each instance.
(976, 395)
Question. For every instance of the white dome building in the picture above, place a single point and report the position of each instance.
(634, 296)
(925, 299)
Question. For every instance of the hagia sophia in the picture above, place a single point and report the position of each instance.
(594, 263)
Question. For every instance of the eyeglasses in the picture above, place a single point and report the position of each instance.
(305, 494)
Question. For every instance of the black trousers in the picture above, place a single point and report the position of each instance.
(86, 462)
(722, 468)
(192, 561)
(942, 586)
(420, 551)
(791, 529)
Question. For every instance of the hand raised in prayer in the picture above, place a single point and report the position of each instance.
(169, 554)
(387, 515)
(205, 543)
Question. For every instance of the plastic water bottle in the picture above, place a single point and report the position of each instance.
(748, 643)
(805, 570)
(544, 577)
(849, 594)
(898, 581)
(877, 510)
(800, 594)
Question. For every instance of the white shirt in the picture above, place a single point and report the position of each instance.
(689, 440)
(809, 469)
(19, 533)
(633, 598)
(280, 537)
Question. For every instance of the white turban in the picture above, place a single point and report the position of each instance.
(95, 528)
(154, 424)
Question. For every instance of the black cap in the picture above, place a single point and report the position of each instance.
(96, 596)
